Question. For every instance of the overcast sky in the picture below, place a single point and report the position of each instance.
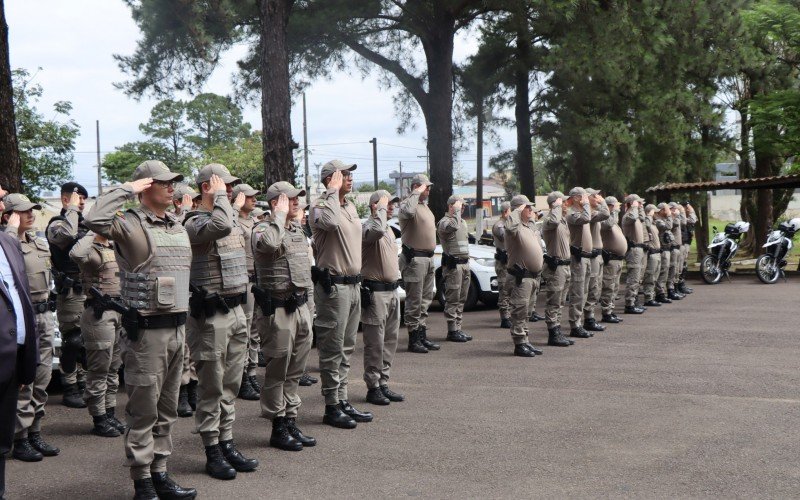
(73, 44)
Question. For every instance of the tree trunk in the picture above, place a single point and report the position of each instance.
(747, 208)
(522, 113)
(438, 111)
(276, 101)
(11, 173)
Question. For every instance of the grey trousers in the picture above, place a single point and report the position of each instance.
(336, 324)
(381, 325)
(418, 281)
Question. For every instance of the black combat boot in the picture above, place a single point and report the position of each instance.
(144, 490)
(307, 380)
(335, 417)
(652, 303)
(166, 488)
(358, 416)
(523, 351)
(104, 428)
(465, 335)
(579, 332)
(505, 323)
(40, 445)
(281, 438)
(456, 336)
(633, 310)
(254, 383)
(113, 420)
(72, 397)
(262, 361)
(556, 338)
(25, 452)
(592, 325)
(611, 318)
(415, 342)
(431, 346)
(662, 299)
(191, 390)
(235, 457)
(392, 396)
(246, 390)
(684, 289)
(184, 410)
(533, 349)
(535, 317)
(306, 441)
(216, 465)
(674, 295)
(376, 397)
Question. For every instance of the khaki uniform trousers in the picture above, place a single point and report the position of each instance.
(675, 265)
(153, 365)
(219, 348)
(522, 296)
(663, 273)
(651, 276)
(381, 324)
(634, 261)
(611, 275)
(503, 289)
(556, 289)
(189, 373)
(286, 341)
(579, 271)
(456, 289)
(254, 341)
(593, 287)
(537, 283)
(33, 397)
(418, 281)
(336, 324)
(69, 308)
(101, 337)
(684, 259)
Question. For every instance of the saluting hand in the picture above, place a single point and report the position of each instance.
(186, 202)
(282, 207)
(216, 184)
(383, 202)
(558, 202)
(238, 203)
(584, 199)
(75, 199)
(13, 219)
(421, 189)
(138, 186)
(336, 180)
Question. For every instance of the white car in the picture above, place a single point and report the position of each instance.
(483, 284)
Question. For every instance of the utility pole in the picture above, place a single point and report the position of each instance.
(374, 142)
(427, 157)
(400, 194)
(479, 186)
(305, 152)
(99, 172)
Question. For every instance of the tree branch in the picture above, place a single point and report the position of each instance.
(413, 84)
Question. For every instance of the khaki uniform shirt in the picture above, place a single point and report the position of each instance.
(336, 232)
(523, 244)
(417, 224)
(632, 225)
(556, 234)
(379, 252)
(613, 239)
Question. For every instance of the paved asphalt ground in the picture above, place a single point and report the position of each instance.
(695, 399)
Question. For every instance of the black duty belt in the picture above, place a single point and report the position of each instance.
(42, 307)
(457, 260)
(161, 321)
(381, 286)
(613, 256)
(90, 302)
(653, 251)
(417, 253)
(294, 302)
(501, 256)
(636, 245)
(346, 280)
(235, 300)
(523, 273)
(578, 253)
(252, 278)
(555, 261)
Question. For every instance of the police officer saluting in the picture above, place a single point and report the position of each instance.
(217, 326)
(101, 324)
(418, 234)
(653, 252)
(501, 265)
(19, 218)
(579, 215)
(556, 270)
(153, 253)
(337, 291)
(594, 280)
(525, 258)
(453, 235)
(614, 249)
(283, 282)
(63, 231)
(633, 230)
(663, 222)
(380, 303)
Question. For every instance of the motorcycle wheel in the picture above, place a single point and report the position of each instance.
(767, 269)
(710, 270)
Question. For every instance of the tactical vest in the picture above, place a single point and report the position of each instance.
(106, 277)
(686, 235)
(224, 269)
(457, 244)
(60, 258)
(36, 253)
(291, 270)
(159, 285)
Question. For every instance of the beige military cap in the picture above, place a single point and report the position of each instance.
(283, 187)
(332, 166)
(155, 170)
(377, 195)
(520, 200)
(421, 180)
(205, 173)
(16, 202)
(247, 189)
